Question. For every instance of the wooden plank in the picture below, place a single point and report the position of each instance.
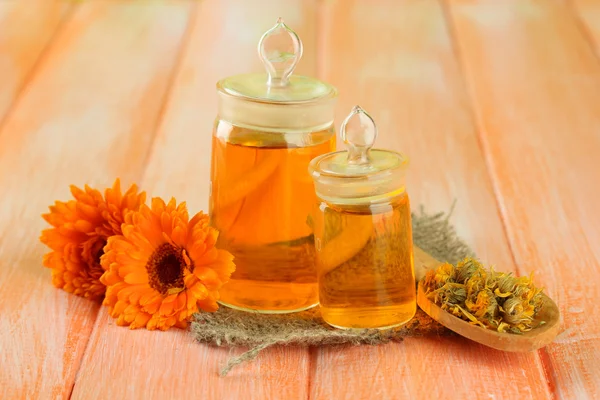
(149, 365)
(536, 85)
(88, 115)
(26, 29)
(396, 60)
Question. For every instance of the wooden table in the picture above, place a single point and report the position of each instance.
(496, 102)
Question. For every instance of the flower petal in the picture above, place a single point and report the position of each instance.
(136, 278)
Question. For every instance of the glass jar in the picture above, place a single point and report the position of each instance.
(363, 232)
(269, 127)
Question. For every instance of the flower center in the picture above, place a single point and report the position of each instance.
(165, 269)
(99, 251)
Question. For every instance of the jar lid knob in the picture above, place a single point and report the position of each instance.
(359, 132)
(280, 50)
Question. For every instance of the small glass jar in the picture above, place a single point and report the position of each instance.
(363, 233)
(270, 125)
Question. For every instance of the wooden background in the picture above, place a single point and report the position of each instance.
(497, 103)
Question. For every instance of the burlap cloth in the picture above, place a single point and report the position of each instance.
(232, 328)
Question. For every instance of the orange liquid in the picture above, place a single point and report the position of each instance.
(261, 198)
(365, 264)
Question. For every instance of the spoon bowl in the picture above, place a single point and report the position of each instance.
(532, 340)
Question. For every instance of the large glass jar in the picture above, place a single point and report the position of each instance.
(269, 127)
(363, 233)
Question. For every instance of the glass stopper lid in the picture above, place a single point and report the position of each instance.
(360, 171)
(280, 50)
(359, 133)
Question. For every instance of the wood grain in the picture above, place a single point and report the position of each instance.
(26, 29)
(157, 365)
(86, 116)
(407, 77)
(538, 109)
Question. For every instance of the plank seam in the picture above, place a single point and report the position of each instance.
(312, 370)
(478, 125)
(477, 121)
(548, 371)
(321, 59)
(320, 35)
(588, 38)
(583, 28)
(36, 65)
(185, 42)
(160, 114)
(87, 345)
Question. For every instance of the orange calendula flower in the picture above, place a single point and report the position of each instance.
(164, 267)
(81, 228)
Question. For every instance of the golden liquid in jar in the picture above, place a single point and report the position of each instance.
(261, 197)
(365, 264)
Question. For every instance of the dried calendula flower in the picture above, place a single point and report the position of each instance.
(466, 268)
(477, 282)
(484, 297)
(506, 285)
(450, 294)
(485, 304)
(438, 277)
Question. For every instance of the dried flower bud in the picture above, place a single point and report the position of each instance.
(505, 285)
(449, 294)
(466, 268)
(516, 312)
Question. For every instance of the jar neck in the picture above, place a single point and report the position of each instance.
(382, 205)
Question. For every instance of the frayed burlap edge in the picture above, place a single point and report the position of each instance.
(232, 328)
(435, 235)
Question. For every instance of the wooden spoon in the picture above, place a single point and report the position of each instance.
(528, 341)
